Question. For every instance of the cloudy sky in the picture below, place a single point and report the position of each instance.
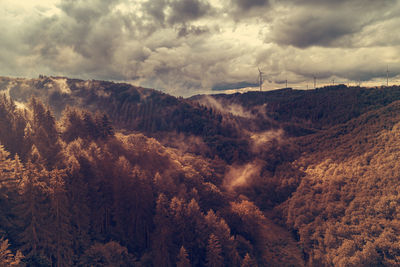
(184, 47)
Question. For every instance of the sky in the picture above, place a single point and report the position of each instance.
(186, 47)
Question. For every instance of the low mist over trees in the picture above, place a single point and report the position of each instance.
(83, 195)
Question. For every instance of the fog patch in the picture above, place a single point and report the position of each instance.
(234, 109)
(62, 85)
(184, 143)
(258, 141)
(20, 105)
(240, 176)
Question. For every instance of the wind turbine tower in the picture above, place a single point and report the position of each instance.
(260, 78)
(315, 82)
(387, 75)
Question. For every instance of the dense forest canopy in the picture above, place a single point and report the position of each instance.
(97, 173)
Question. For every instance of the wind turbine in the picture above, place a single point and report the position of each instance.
(260, 78)
(387, 75)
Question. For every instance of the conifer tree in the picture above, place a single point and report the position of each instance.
(183, 258)
(248, 261)
(105, 127)
(13, 124)
(35, 237)
(214, 252)
(162, 239)
(44, 133)
(11, 172)
(60, 220)
(7, 258)
(72, 125)
(76, 188)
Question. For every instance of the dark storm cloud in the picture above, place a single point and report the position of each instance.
(192, 30)
(187, 10)
(328, 23)
(315, 30)
(243, 10)
(155, 9)
(176, 11)
(248, 4)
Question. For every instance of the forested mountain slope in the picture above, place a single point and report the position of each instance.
(136, 109)
(96, 173)
(346, 208)
(76, 195)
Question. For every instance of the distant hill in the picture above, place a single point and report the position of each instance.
(318, 109)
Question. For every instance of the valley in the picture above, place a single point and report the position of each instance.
(132, 176)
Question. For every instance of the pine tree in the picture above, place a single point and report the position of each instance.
(105, 127)
(7, 258)
(11, 172)
(76, 188)
(72, 125)
(90, 126)
(44, 133)
(35, 237)
(161, 238)
(248, 261)
(220, 228)
(60, 220)
(183, 258)
(13, 124)
(214, 251)
(195, 234)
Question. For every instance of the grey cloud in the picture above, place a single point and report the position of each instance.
(361, 4)
(307, 31)
(174, 45)
(188, 10)
(328, 23)
(248, 4)
(185, 30)
(87, 10)
(155, 9)
(242, 10)
(171, 12)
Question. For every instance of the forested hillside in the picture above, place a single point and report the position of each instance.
(74, 192)
(97, 173)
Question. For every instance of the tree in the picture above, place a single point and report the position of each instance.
(161, 238)
(13, 123)
(7, 258)
(60, 220)
(183, 258)
(214, 257)
(107, 255)
(76, 188)
(248, 261)
(90, 126)
(72, 125)
(35, 238)
(105, 127)
(44, 133)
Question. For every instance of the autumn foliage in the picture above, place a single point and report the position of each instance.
(107, 174)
